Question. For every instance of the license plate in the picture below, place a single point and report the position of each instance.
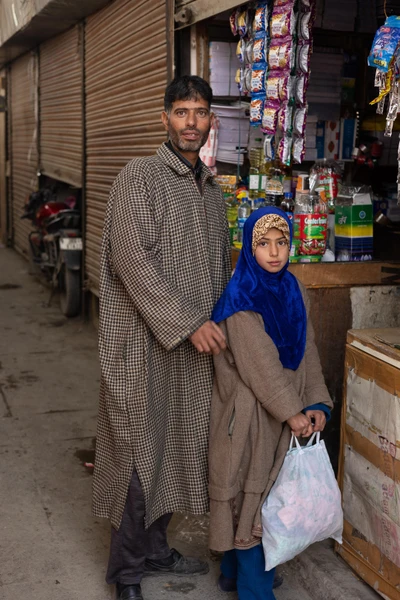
(71, 243)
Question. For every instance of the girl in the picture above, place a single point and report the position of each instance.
(268, 384)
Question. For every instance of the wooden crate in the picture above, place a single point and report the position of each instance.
(369, 466)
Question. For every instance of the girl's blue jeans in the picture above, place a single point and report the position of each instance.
(248, 568)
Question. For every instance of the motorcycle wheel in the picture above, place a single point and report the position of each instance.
(70, 292)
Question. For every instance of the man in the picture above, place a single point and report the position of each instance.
(165, 261)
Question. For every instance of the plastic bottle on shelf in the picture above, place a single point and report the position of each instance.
(232, 206)
(287, 204)
(255, 157)
(244, 212)
(274, 188)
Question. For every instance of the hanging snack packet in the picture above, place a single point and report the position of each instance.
(243, 23)
(385, 43)
(258, 75)
(247, 74)
(280, 86)
(304, 56)
(241, 50)
(301, 89)
(285, 117)
(283, 22)
(300, 120)
(270, 118)
(256, 110)
(269, 148)
(285, 150)
(281, 54)
(233, 21)
(287, 3)
(248, 54)
(305, 24)
(299, 149)
(260, 24)
(259, 50)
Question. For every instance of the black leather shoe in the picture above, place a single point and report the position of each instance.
(129, 592)
(225, 584)
(179, 565)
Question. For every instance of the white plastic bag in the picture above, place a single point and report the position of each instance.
(304, 504)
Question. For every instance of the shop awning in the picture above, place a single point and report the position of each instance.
(26, 23)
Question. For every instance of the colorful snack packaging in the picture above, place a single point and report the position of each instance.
(285, 150)
(299, 149)
(283, 22)
(385, 43)
(269, 147)
(247, 75)
(300, 120)
(233, 21)
(243, 23)
(304, 56)
(289, 4)
(256, 110)
(259, 50)
(248, 52)
(301, 88)
(258, 79)
(285, 118)
(260, 23)
(270, 118)
(280, 86)
(241, 50)
(281, 54)
(305, 24)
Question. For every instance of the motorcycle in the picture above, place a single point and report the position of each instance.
(56, 245)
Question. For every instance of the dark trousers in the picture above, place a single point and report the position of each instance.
(132, 543)
(248, 568)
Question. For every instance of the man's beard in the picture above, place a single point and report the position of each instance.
(187, 145)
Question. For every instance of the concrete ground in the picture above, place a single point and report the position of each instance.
(51, 548)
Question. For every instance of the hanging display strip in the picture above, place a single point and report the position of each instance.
(126, 75)
(23, 103)
(275, 48)
(385, 57)
(61, 107)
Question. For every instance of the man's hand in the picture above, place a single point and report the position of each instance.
(319, 419)
(301, 425)
(209, 339)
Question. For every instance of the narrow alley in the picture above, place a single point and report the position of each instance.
(50, 545)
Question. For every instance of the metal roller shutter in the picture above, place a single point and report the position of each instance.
(61, 107)
(24, 154)
(126, 71)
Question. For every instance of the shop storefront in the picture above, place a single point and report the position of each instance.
(295, 128)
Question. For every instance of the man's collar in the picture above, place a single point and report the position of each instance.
(197, 168)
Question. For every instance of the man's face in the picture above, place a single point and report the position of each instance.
(188, 124)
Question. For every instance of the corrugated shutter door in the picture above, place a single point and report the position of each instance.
(61, 107)
(24, 155)
(126, 76)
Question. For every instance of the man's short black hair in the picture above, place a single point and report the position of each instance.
(188, 87)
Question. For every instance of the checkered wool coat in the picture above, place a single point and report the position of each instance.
(165, 261)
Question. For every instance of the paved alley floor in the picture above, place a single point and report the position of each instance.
(50, 545)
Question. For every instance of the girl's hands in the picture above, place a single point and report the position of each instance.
(301, 424)
(319, 419)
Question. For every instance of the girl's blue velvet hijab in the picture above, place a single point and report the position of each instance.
(275, 296)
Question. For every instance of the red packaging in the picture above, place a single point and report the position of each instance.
(311, 231)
